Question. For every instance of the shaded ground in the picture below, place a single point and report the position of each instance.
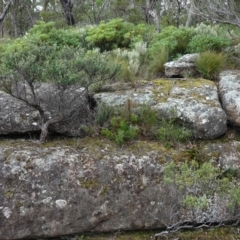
(223, 233)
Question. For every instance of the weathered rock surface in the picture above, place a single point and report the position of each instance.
(194, 102)
(184, 66)
(229, 91)
(17, 117)
(91, 185)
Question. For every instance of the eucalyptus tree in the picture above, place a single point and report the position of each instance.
(220, 11)
(5, 9)
(67, 6)
(18, 16)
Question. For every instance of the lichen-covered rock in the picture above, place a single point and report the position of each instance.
(184, 66)
(18, 117)
(91, 185)
(194, 102)
(229, 91)
(54, 191)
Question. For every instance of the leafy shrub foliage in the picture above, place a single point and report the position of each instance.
(128, 123)
(202, 189)
(170, 133)
(202, 42)
(132, 61)
(47, 33)
(108, 36)
(210, 63)
(117, 34)
(121, 130)
(174, 40)
(25, 67)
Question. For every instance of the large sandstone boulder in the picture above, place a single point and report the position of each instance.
(17, 117)
(229, 91)
(194, 102)
(182, 67)
(91, 185)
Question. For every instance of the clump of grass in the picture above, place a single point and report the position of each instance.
(209, 64)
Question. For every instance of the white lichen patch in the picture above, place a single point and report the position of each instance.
(119, 168)
(61, 203)
(47, 200)
(7, 212)
(22, 211)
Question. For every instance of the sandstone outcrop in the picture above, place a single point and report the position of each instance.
(229, 91)
(16, 117)
(91, 185)
(194, 102)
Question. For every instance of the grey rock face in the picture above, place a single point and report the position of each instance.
(89, 186)
(60, 190)
(17, 117)
(182, 66)
(229, 90)
(194, 102)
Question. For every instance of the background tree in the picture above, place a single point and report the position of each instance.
(67, 6)
(219, 11)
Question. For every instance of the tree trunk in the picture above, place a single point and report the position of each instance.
(67, 9)
(5, 10)
(190, 13)
(44, 128)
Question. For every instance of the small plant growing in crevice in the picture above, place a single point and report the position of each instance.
(170, 133)
(121, 130)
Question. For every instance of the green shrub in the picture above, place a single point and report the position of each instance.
(118, 33)
(202, 42)
(147, 120)
(110, 35)
(103, 114)
(198, 185)
(170, 133)
(174, 40)
(47, 33)
(120, 130)
(132, 61)
(127, 123)
(210, 63)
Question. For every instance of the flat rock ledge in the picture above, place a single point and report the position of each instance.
(91, 185)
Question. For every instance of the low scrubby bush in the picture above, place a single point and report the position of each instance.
(170, 133)
(202, 42)
(128, 123)
(174, 40)
(48, 34)
(121, 130)
(117, 33)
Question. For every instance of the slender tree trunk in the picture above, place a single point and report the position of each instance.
(14, 22)
(44, 128)
(5, 10)
(190, 13)
(67, 9)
